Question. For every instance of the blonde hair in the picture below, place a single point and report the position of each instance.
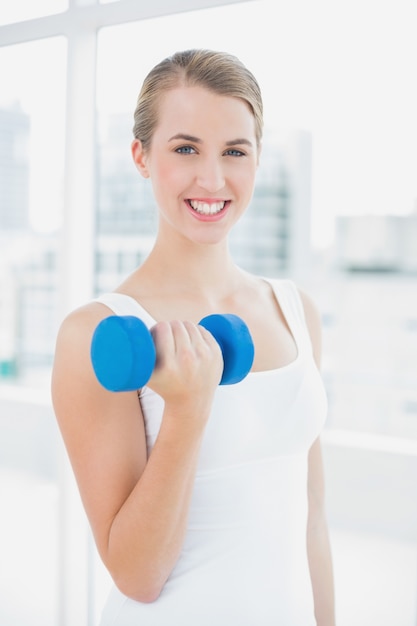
(219, 72)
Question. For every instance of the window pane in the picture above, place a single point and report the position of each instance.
(19, 10)
(312, 98)
(32, 105)
(341, 139)
(125, 205)
(32, 109)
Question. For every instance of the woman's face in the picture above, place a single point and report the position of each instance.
(202, 162)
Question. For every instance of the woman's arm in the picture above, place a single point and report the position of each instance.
(137, 507)
(318, 544)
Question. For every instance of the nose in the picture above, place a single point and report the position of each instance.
(210, 175)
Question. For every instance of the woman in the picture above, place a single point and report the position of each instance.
(206, 502)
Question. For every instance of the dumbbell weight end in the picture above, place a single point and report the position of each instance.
(235, 341)
(123, 353)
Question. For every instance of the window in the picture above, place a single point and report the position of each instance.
(340, 144)
(31, 172)
(18, 10)
(31, 179)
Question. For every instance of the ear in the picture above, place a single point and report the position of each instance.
(140, 157)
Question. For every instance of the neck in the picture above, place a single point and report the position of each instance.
(203, 269)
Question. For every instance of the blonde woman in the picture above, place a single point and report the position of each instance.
(206, 501)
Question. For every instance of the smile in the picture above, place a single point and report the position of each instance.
(206, 208)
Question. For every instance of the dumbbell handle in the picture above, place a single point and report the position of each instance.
(123, 353)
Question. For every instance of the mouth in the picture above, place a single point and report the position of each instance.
(207, 208)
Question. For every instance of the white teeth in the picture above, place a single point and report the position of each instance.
(205, 208)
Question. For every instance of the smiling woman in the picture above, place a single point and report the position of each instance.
(333, 74)
(329, 94)
(192, 490)
(194, 169)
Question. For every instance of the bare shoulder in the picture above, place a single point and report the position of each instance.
(77, 395)
(313, 320)
(80, 323)
(72, 365)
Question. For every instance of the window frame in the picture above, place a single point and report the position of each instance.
(80, 25)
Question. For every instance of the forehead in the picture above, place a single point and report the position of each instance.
(201, 112)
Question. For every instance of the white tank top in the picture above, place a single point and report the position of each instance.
(244, 560)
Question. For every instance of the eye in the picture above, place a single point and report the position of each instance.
(234, 152)
(185, 150)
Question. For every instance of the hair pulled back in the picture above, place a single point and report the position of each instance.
(219, 72)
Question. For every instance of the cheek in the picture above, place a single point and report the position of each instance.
(168, 176)
(246, 181)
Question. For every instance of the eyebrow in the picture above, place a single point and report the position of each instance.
(234, 142)
(239, 142)
(185, 137)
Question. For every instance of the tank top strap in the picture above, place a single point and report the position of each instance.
(289, 300)
(122, 304)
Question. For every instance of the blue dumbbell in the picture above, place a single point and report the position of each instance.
(123, 352)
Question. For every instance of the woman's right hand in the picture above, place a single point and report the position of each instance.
(189, 366)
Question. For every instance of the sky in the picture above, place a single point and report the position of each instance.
(343, 71)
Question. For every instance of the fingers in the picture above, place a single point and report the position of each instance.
(186, 355)
(171, 339)
(163, 339)
(199, 337)
(175, 336)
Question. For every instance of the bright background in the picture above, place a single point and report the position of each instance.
(340, 73)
